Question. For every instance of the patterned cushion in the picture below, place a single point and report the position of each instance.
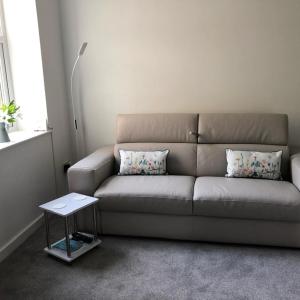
(253, 164)
(143, 162)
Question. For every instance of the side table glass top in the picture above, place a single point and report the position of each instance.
(68, 204)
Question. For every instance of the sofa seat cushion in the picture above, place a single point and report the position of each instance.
(246, 198)
(167, 194)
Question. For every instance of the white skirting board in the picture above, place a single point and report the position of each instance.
(18, 239)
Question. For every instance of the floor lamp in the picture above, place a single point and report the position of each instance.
(80, 53)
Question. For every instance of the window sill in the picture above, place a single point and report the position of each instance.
(19, 137)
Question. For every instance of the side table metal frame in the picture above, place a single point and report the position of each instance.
(67, 231)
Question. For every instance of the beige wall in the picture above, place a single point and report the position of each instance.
(55, 85)
(184, 56)
(27, 181)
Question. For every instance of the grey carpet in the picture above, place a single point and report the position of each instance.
(135, 268)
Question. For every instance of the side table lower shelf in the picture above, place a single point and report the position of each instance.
(62, 254)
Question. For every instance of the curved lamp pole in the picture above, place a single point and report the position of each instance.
(80, 53)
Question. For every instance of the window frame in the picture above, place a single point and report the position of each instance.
(6, 83)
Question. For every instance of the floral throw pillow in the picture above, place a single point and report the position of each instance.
(143, 162)
(252, 164)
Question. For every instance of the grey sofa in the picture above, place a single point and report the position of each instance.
(195, 201)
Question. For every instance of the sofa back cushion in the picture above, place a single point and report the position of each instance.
(267, 129)
(157, 128)
(217, 132)
(211, 158)
(149, 132)
(253, 132)
(181, 160)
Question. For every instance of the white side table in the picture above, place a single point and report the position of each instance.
(66, 207)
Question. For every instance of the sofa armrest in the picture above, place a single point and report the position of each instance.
(295, 168)
(86, 175)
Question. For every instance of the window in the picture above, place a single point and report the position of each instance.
(5, 82)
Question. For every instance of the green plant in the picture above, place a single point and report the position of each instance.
(9, 112)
